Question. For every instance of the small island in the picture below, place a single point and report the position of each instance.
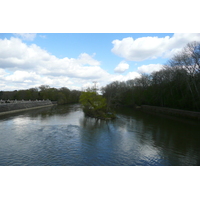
(95, 105)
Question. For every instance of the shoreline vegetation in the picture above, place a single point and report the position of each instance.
(62, 95)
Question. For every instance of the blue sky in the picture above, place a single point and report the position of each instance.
(75, 60)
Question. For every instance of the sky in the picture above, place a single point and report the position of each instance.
(77, 60)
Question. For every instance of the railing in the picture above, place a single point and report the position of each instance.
(21, 101)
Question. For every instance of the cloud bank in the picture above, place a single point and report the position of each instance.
(25, 66)
(152, 47)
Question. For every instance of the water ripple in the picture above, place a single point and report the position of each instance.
(69, 138)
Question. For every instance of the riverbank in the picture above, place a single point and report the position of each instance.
(172, 112)
(17, 106)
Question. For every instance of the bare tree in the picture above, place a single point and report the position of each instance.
(189, 59)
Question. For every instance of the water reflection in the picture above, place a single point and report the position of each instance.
(62, 135)
(178, 141)
(89, 123)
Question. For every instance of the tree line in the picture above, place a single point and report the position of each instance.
(62, 95)
(177, 85)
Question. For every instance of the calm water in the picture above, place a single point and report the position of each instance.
(61, 135)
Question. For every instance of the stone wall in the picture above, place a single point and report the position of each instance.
(172, 112)
(22, 105)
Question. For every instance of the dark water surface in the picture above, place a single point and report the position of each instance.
(61, 135)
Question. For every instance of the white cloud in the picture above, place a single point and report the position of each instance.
(147, 69)
(25, 80)
(26, 36)
(21, 76)
(121, 67)
(16, 55)
(151, 47)
(30, 66)
(130, 75)
(25, 66)
(2, 73)
(84, 59)
(108, 79)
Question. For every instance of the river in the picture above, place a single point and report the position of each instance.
(63, 136)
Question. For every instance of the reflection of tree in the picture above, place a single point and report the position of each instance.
(174, 138)
(91, 123)
(55, 110)
(94, 140)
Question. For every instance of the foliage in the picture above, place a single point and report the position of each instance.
(93, 100)
(94, 105)
(62, 95)
(177, 85)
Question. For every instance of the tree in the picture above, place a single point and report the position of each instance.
(91, 100)
(189, 59)
(94, 105)
(114, 92)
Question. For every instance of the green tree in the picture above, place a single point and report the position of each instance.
(94, 105)
(91, 100)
